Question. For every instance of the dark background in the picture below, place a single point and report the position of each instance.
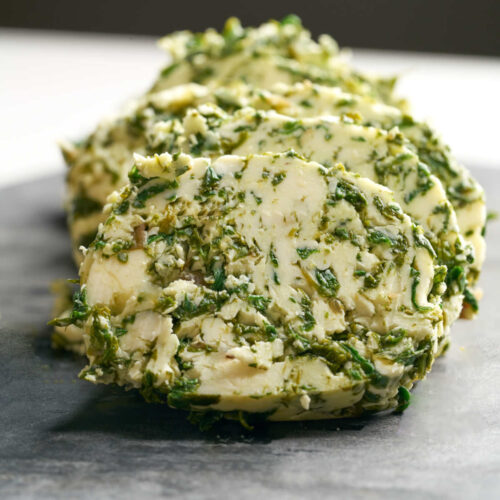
(451, 26)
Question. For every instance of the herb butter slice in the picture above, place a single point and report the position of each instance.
(100, 164)
(263, 56)
(382, 156)
(105, 158)
(264, 284)
(373, 153)
(306, 99)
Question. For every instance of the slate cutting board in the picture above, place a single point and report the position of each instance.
(65, 438)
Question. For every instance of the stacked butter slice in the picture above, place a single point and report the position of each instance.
(268, 234)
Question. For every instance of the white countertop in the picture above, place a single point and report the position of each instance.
(58, 85)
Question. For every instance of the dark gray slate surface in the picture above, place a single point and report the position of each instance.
(64, 438)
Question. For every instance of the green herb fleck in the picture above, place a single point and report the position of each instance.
(278, 178)
(327, 282)
(305, 252)
(259, 302)
(404, 399)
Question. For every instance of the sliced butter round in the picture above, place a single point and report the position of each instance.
(265, 284)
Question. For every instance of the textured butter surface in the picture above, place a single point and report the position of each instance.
(284, 239)
(385, 157)
(261, 284)
(274, 52)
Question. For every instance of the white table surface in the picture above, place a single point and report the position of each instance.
(58, 85)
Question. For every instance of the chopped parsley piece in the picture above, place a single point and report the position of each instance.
(327, 282)
(278, 178)
(136, 178)
(348, 192)
(259, 302)
(305, 252)
(291, 19)
(169, 70)
(121, 208)
(272, 257)
(471, 300)
(149, 192)
(404, 399)
(380, 238)
(178, 397)
(210, 179)
(291, 127)
(80, 311)
(219, 278)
